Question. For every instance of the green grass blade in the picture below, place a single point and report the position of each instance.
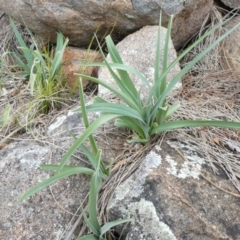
(6, 114)
(114, 108)
(53, 179)
(119, 66)
(88, 237)
(123, 96)
(122, 85)
(112, 224)
(54, 167)
(60, 42)
(85, 118)
(186, 51)
(90, 225)
(171, 109)
(157, 57)
(40, 57)
(91, 158)
(166, 56)
(57, 60)
(18, 59)
(123, 74)
(97, 123)
(161, 114)
(28, 56)
(95, 185)
(194, 123)
(99, 100)
(178, 77)
(33, 75)
(141, 129)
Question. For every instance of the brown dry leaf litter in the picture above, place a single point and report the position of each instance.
(215, 96)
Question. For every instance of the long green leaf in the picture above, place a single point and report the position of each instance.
(6, 114)
(112, 224)
(91, 158)
(85, 118)
(27, 54)
(141, 129)
(57, 60)
(172, 109)
(33, 75)
(95, 185)
(123, 96)
(157, 57)
(54, 167)
(115, 108)
(166, 56)
(123, 74)
(177, 78)
(186, 51)
(194, 123)
(122, 85)
(90, 225)
(56, 177)
(97, 123)
(88, 237)
(120, 66)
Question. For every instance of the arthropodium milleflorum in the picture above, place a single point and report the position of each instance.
(150, 117)
(144, 118)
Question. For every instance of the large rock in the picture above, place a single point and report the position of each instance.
(48, 214)
(78, 20)
(72, 59)
(231, 3)
(173, 195)
(230, 49)
(138, 50)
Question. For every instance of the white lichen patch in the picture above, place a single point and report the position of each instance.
(134, 185)
(129, 15)
(145, 221)
(192, 165)
(32, 156)
(59, 121)
(173, 166)
(158, 148)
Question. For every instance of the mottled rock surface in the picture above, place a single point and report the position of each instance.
(78, 20)
(47, 214)
(138, 50)
(231, 3)
(174, 195)
(230, 49)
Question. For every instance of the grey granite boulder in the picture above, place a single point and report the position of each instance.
(78, 20)
(231, 3)
(174, 195)
(47, 214)
(138, 50)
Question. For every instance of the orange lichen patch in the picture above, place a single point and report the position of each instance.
(73, 58)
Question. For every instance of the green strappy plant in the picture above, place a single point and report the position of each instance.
(144, 118)
(99, 174)
(149, 117)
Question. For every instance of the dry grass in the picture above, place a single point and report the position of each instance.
(14, 91)
(214, 94)
(211, 61)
